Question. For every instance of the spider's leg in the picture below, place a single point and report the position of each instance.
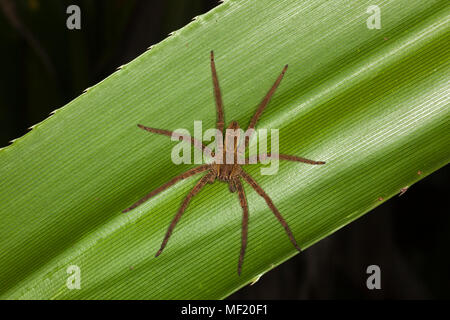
(218, 96)
(200, 184)
(263, 104)
(269, 202)
(196, 143)
(182, 176)
(254, 158)
(244, 206)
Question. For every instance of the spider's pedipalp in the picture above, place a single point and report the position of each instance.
(269, 202)
(200, 184)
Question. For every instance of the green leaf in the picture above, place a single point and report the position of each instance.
(372, 103)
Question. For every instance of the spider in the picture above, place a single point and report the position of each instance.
(228, 173)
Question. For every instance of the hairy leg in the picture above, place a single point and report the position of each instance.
(269, 202)
(200, 184)
(254, 158)
(182, 176)
(217, 95)
(263, 104)
(244, 206)
(196, 143)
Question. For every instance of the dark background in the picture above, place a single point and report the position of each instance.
(45, 66)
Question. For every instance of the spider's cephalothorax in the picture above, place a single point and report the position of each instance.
(231, 173)
(224, 170)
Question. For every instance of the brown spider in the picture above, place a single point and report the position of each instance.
(229, 173)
